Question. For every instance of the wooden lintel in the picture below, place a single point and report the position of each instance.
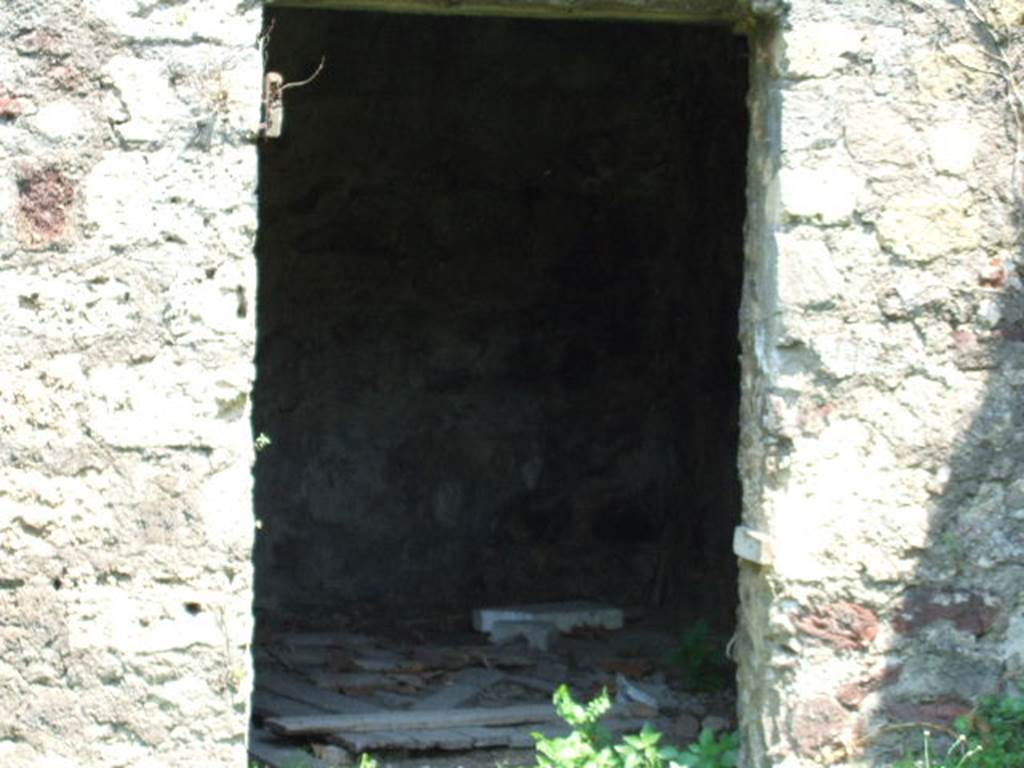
(696, 11)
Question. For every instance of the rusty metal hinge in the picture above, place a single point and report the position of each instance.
(274, 87)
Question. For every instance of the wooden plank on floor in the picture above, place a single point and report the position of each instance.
(275, 755)
(460, 687)
(615, 725)
(448, 739)
(420, 720)
(294, 687)
(332, 637)
(374, 741)
(455, 739)
(389, 700)
(340, 658)
(292, 656)
(356, 683)
(500, 737)
(268, 704)
(412, 721)
(534, 683)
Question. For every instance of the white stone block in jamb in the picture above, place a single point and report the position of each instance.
(806, 274)
(563, 616)
(810, 120)
(826, 195)
(753, 546)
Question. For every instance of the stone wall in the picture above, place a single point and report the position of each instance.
(127, 176)
(882, 352)
(883, 347)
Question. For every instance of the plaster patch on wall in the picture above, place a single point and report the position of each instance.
(60, 121)
(146, 621)
(923, 229)
(226, 508)
(818, 49)
(151, 106)
(181, 22)
(953, 145)
(112, 205)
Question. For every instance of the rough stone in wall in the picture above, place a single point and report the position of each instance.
(127, 216)
(882, 447)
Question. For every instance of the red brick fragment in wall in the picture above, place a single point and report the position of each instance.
(841, 625)
(813, 416)
(822, 728)
(853, 693)
(923, 606)
(941, 711)
(67, 78)
(994, 275)
(45, 196)
(10, 108)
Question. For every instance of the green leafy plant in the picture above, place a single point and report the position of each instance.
(591, 745)
(710, 751)
(262, 442)
(992, 736)
(588, 744)
(699, 659)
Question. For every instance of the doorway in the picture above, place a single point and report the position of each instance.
(500, 264)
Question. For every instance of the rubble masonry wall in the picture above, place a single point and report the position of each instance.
(883, 331)
(127, 191)
(883, 358)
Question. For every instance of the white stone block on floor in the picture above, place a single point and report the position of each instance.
(564, 616)
(538, 634)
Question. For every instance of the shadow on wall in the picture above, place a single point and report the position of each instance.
(950, 625)
(958, 624)
(958, 630)
(936, 620)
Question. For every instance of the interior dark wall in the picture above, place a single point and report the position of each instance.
(499, 274)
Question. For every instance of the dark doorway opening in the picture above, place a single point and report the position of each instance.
(499, 278)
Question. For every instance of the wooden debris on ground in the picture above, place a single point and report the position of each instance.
(302, 725)
(464, 738)
(634, 669)
(273, 754)
(356, 683)
(339, 690)
(292, 687)
(459, 688)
